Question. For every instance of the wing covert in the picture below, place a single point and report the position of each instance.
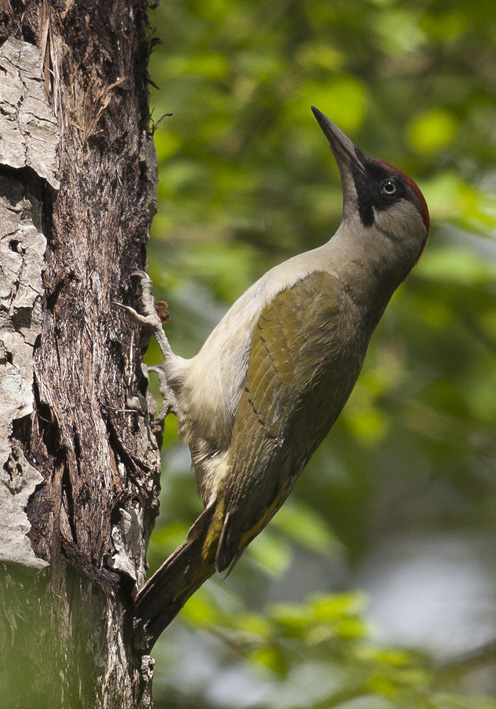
(293, 385)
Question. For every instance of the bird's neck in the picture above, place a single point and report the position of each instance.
(368, 265)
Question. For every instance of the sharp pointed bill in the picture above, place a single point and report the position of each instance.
(341, 145)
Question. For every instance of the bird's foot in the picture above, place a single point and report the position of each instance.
(169, 403)
(151, 319)
(152, 315)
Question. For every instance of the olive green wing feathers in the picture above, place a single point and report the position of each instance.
(291, 398)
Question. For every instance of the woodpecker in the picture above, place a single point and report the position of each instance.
(271, 379)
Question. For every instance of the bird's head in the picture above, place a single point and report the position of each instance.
(380, 195)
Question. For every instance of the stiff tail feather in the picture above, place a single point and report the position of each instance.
(177, 579)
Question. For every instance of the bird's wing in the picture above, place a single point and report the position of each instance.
(287, 407)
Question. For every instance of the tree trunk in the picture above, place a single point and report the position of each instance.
(79, 463)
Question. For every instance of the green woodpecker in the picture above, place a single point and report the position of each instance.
(272, 378)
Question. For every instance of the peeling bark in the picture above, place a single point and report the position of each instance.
(79, 464)
(22, 246)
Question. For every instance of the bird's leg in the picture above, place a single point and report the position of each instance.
(151, 318)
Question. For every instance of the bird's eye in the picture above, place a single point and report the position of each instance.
(389, 188)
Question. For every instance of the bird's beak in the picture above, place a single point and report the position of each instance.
(345, 152)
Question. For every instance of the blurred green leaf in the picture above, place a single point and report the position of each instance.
(271, 553)
(432, 131)
(455, 264)
(303, 525)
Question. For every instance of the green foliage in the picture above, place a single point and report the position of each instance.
(319, 654)
(246, 180)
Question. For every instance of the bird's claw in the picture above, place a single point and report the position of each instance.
(151, 319)
(169, 403)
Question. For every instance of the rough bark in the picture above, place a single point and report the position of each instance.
(79, 463)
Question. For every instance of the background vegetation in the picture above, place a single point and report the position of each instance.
(374, 587)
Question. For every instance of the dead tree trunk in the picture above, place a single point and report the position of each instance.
(79, 465)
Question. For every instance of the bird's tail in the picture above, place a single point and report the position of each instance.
(177, 579)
